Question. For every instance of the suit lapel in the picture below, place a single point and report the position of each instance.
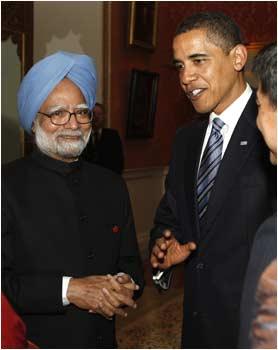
(243, 140)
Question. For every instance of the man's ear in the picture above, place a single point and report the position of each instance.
(239, 57)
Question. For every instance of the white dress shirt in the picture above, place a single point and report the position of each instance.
(230, 117)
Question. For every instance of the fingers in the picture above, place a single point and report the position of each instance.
(191, 246)
(188, 248)
(167, 234)
(116, 285)
(158, 252)
(126, 281)
(117, 301)
(107, 310)
(123, 278)
(160, 249)
(123, 299)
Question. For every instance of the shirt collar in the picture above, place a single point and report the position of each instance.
(231, 114)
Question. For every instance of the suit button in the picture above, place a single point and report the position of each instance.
(91, 255)
(200, 266)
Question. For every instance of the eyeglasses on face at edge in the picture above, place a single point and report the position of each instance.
(62, 116)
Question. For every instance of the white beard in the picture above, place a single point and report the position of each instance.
(53, 145)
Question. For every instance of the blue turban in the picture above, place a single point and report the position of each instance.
(46, 74)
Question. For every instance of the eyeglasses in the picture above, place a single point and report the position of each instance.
(62, 117)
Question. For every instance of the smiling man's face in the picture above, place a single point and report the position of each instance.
(207, 74)
(64, 142)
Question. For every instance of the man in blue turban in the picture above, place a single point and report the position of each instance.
(70, 259)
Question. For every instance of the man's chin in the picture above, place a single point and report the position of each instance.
(70, 152)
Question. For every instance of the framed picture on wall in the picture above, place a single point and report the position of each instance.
(142, 24)
(142, 104)
(253, 49)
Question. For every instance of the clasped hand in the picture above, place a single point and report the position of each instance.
(106, 295)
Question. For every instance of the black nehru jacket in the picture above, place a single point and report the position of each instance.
(63, 219)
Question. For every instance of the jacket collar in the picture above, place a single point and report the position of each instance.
(60, 167)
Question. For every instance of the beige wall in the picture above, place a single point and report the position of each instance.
(10, 79)
(145, 187)
(75, 26)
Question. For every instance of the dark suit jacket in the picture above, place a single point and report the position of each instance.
(108, 152)
(63, 219)
(239, 202)
(264, 250)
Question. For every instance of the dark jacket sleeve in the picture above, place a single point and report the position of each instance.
(29, 292)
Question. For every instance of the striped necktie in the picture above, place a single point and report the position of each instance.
(209, 166)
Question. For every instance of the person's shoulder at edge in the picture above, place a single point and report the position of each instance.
(267, 228)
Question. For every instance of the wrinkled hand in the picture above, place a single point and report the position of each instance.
(167, 251)
(100, 294)
(129, 285)
(122, 291)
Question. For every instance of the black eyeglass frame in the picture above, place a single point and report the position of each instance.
(70, 114)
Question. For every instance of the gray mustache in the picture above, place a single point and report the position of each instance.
(70, 133)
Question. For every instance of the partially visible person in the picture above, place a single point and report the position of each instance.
(104, 147)
(70, 259)
(13, 329)
(264, 248)
(264, 327)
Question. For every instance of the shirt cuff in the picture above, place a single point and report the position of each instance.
(65, 285)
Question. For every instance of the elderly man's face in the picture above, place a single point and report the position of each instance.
(207, 74)
(63, 142)
(267, 123)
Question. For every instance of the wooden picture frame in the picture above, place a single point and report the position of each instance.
(253, 49)
(142, 104)
(142, 24)
(17, 25)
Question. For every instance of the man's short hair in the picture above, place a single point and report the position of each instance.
(222, 31)
(265, 67)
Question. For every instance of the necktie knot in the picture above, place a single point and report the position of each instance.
(217, 124)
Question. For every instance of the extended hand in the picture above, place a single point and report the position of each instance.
(167, 251)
